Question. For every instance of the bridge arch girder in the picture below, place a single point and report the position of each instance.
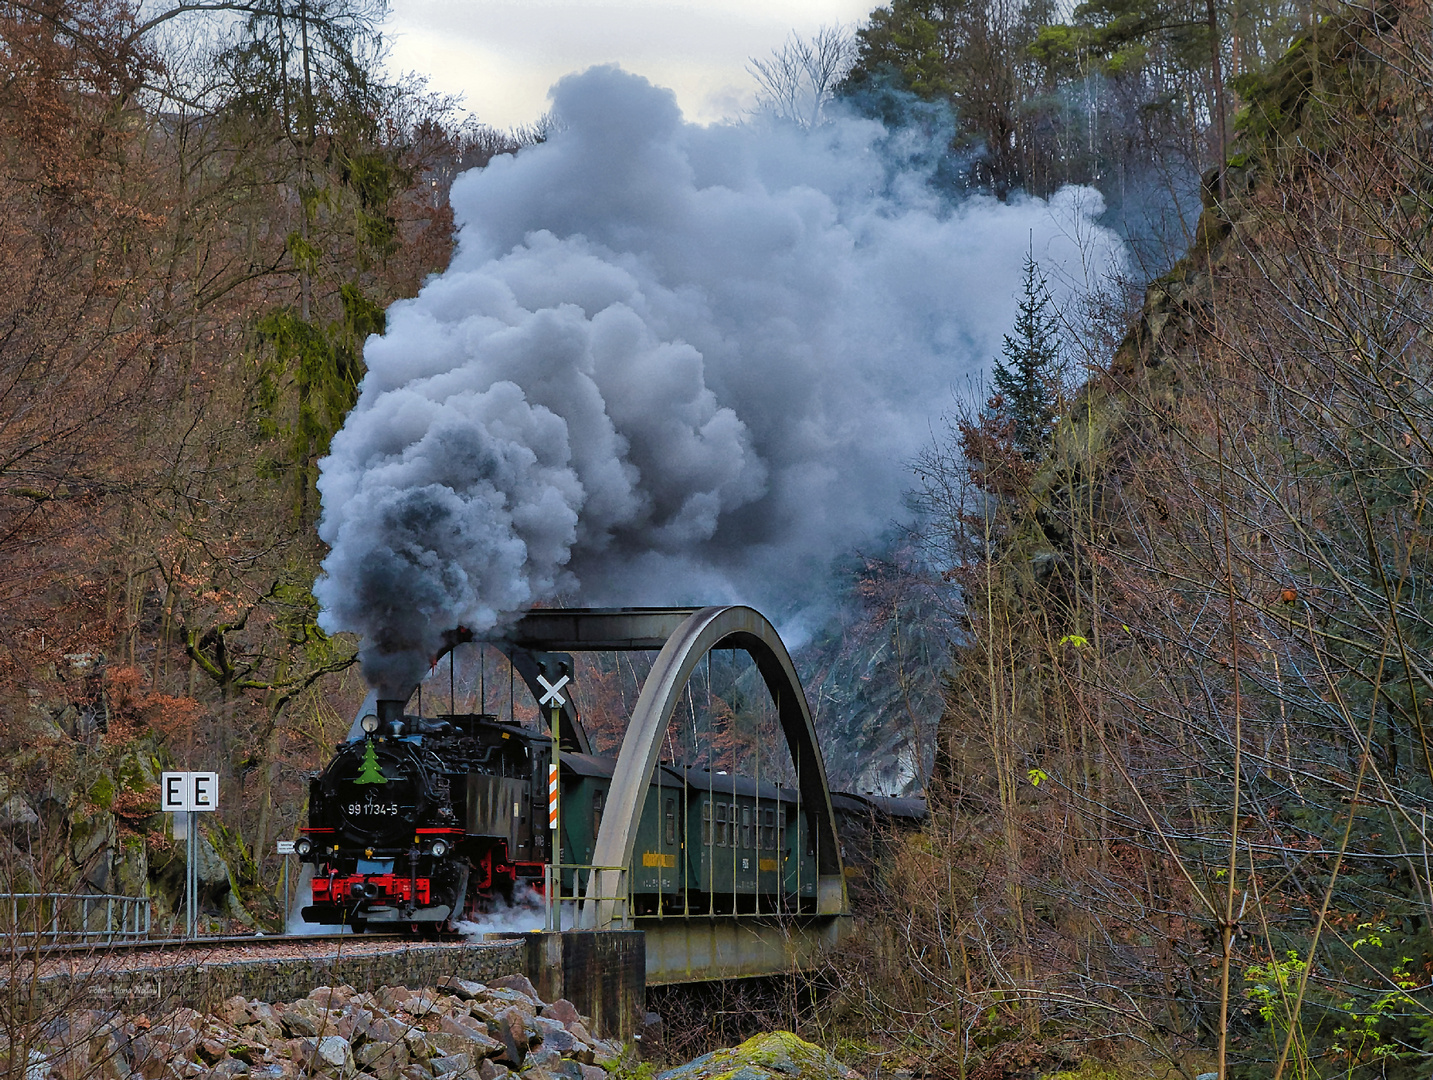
(728, 627)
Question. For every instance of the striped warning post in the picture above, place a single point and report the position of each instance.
(552, 796)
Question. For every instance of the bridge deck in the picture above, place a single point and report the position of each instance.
(708, 950)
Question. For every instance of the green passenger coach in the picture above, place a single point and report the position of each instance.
(708, 842)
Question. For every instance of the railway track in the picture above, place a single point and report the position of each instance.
(183, 952)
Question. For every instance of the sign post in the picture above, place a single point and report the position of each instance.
(189, 793)
(286, 849)
(553, 697)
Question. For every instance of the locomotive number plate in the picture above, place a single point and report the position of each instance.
(373, 809)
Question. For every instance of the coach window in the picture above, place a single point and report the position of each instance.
(671, 821)
(768, 835)
(706, 824)
(596, 813)
(746, 826)
(721, 809)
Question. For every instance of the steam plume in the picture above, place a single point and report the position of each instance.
(668, 364)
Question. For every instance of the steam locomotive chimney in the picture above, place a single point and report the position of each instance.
(390, 709)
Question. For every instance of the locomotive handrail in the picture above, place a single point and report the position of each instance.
(701, 632)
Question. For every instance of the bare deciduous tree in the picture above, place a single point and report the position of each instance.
(797, 82)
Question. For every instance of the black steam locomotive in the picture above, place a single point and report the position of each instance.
(426, 821)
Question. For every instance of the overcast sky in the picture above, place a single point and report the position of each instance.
(502, 55)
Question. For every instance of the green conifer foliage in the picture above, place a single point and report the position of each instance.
(1028, 379)
(369, 772)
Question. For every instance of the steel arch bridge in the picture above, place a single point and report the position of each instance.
(683, 948)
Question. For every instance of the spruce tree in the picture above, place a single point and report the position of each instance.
(1028, 378)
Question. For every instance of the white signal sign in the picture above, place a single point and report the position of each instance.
(286, 847)
(553, 696)
(179, 791)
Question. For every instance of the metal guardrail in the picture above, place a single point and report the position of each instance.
(581, 876)
(56, 918)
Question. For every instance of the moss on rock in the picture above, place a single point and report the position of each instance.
(774, 1055)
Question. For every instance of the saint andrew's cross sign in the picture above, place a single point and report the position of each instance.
(553, 695)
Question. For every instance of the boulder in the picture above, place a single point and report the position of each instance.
(387, 1029)
(521, 984)
(581, 1034)
(563, 1011)
(301, 1023)
(249, 1055)
(137, 1048)
(332, 997)
(452, 1064)
(419, 1005)
(775, 1055)
(385, 1060)
(481, 1042)
(607, 1054)
(335, 1052)
(501, 997)
(417, 1042)
(510, 1030)
(463, 989)
(235, 1012)
(561, 1070)
(16, 812)
(541, 1057)
(555, 1037)
(212, 1050)
(391, 998)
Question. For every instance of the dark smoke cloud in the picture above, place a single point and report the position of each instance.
(668, 364)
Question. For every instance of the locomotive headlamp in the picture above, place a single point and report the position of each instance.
(440, 848)
(304, 846)
(369, 723)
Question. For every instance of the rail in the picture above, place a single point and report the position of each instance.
(73, 917)
(581, 876)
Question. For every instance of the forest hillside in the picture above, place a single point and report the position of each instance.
(1184, 768)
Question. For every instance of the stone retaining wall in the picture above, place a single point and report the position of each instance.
(203, 985)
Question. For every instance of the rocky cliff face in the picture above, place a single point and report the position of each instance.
(79, 816)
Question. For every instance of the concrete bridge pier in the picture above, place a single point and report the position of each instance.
(602, 972)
